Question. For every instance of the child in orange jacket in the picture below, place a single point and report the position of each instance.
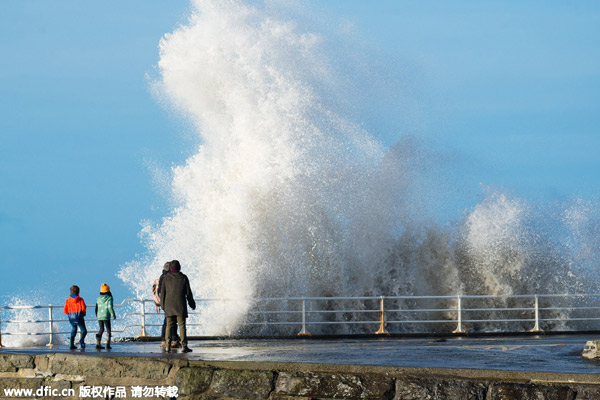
(75, 309)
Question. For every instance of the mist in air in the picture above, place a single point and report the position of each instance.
(290, 195)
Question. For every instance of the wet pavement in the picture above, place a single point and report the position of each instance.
(529, 353)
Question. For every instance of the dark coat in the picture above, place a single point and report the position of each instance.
(174, 290)
(160, 281)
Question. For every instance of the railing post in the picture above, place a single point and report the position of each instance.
(303, 331)
(459, 327)
(536, 328)
(1, 328)
(381, 330)
(51, 325)
(143, 333)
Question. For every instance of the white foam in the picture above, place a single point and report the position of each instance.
(287, 196)
(25, 334)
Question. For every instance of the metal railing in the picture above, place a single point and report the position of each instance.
(54, 322)
(366, 314)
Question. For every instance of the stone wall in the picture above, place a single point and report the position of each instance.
(285, 381)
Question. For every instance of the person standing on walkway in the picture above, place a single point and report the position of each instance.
(104, 312)
(75, 309)
(175, 292)
(175, 341)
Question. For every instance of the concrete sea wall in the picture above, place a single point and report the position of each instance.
(282, 381)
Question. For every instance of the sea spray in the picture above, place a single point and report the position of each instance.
(23, 331)
(282, 189)
(582, 219)
(288, 196)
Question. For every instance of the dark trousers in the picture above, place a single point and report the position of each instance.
(173, 331)
(104, 323)
(182, 332)
(83, 330)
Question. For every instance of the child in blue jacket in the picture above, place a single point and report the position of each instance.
(75, 309)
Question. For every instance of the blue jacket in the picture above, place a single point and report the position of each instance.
(75, 309)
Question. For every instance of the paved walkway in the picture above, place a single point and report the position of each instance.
(542, 353)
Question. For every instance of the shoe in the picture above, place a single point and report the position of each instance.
(175, 344)
(72, 347)
(186, 350)
(98, 344)
(82, 345)
(163, 345)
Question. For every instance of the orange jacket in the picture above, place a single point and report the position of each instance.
(75, 308)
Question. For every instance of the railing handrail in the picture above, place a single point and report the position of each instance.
(529, 312)
(322, 298)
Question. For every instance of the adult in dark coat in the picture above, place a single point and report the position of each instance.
(175, 295)
(174, 338)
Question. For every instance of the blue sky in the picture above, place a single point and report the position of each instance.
(513, 87)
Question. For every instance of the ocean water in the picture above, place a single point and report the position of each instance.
(289, 195)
